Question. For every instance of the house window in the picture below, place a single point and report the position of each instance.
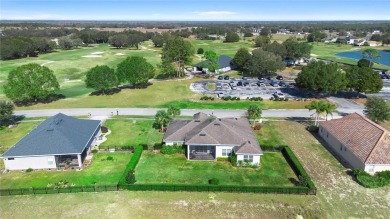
(248, 158)
(11, 158)
(50, 161)
(226, 152)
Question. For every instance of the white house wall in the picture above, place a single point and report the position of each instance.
(171, 143)
(23, 163)
(340, 149)
(373, 168)
(218, 150)
(256, 159)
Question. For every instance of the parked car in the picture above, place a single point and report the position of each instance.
(282, 84)
(278, 94)
(220, 77)
(231, 82)
(274, 84)
(234, 87)
(244, 78)
(260, 83)
(246, 83)
(385, 76)
(226, 77)
(260, 78)
(239, 83)
(279, 77)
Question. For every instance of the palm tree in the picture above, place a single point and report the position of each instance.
(319, 107)
(254, 112)
(371, 54)
(162, 118)
(329, 109)
(173, 111)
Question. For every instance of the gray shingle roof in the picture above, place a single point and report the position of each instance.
(60, 134)
(224, 61)
(204, 130)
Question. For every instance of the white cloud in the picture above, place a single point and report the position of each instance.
(214, 13)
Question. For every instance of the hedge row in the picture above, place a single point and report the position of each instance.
(215, 188)
(132, 163)
(380, 179)
(297, 167)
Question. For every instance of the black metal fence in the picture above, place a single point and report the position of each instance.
(157, 187)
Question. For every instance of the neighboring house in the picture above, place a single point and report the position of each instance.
(223, 61)
(58, 141)
(361, 142)
(208, 138)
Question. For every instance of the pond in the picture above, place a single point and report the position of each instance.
(384, 60)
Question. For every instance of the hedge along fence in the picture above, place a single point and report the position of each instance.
(298, 168)
(215, 188)
(132, 163)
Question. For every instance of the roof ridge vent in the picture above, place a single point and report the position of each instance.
(58, 121)
(197, 120)
(202, 134)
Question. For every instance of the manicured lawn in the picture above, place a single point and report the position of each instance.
(176, 169)
(100, 172)
(268, 135)
(128, 132)
(221, 48)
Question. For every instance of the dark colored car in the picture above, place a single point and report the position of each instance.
(260, 78)
(220, 77)
(385, 76)
(274, 84)
(239, 83)
(282, 84)
(246, 83)
(279, 77)
(226, 77)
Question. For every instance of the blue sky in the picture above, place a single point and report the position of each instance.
(195, 10)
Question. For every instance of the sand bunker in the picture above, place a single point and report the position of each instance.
(92, 56)
(97, 53)
(120, 54)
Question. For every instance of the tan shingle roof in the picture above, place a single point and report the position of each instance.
(366, 140)
(204, 130)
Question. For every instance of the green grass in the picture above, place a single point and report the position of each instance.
(9, 137)
(221, 48)
(268, 135)
(131, 133)
(100, 172)
(328, 52)
(176, 169)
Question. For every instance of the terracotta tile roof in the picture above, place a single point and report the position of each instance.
(205, 130)
(365, 139)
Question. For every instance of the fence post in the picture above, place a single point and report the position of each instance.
(105, 188)
(117, 187)
(9, 191)
(33, 190)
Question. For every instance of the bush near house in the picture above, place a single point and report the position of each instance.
(131, 165)
(380, 179)
(175, 149)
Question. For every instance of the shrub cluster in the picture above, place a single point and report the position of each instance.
(222, 158)
(207, 98)
(278, 99)
(94, 151)
(227, 98)
(257, 127)
(255, 99)
(174, 149)
(233, 159)
(110, 158)
(312, 128)
(380, 179)
(130, 177)
(241, 163)
(29, 170)
(213, 181)
(298, 168)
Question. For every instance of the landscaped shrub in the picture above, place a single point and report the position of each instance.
(214, 181)
(257, 127)
(380, 179)
(207, 98)
(312, 128)
(233, 159)
(222, 158)
(286, 99)
(174, 149)
(255, 99)
(132, 163)
(94, 151)
(157, 146)
(29, 170)
(130, 177)
(110, 158)
(297, 166)
(104, 129)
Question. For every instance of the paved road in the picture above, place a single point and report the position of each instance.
(96, 112)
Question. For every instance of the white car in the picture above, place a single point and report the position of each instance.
(279, 95)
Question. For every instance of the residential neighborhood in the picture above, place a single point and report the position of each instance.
(182, 109)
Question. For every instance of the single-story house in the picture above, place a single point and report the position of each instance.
(58, 141)
(223, 61)
(359, 141)
(208, 138)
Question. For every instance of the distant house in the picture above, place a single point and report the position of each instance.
(376, 32)
(359, 141)
(223, 61)
(58, 141)
(208, 138)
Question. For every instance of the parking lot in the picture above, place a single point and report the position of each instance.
(246, 88)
